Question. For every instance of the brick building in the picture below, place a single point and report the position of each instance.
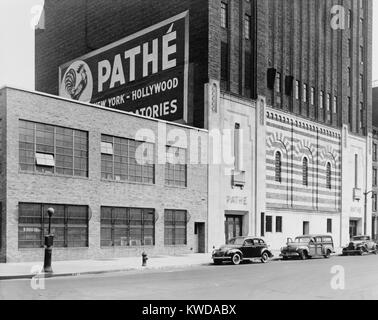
(290, 82)
(82, 160)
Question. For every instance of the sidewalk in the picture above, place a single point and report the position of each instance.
(28, 270)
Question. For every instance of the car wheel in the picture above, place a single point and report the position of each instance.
(236, 259)
(217, 262)
(302, 255)
(264, 257)
(361, 251)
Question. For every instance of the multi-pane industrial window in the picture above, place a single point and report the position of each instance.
(175, 224)
(329, 225)
(127, 160)
(305, 171)
(268, 224)
(247, 26)
(176, 167)
(127, 227)
(329, 176)
(278, 82)
(375, 177)
(46, 148)
(69, 224)
(224, 15)
(278, 165)
(278, 224)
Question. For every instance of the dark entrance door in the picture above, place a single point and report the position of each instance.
(200, 232)
(353, 228)
(234, 227)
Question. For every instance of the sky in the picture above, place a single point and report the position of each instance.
(17, 20)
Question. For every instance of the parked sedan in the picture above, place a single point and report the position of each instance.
(242, 248)
(360, 245)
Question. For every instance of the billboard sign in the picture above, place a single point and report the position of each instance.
(145, 73)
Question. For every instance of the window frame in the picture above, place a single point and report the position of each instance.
(278, 166)
(176, 169)
(61, 222)
(175, 223)
(125, 224)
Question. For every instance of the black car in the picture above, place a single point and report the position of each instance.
(242, 248)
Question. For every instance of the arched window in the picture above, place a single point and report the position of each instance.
(278, 167)
(329, 176)
(305, 171)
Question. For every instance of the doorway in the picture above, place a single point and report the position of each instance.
(306, 228)
(199, 230)
(233, 227)
(353, 228)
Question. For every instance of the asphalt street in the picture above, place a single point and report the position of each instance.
(334, 278)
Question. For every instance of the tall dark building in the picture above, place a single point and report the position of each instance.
(285, 50)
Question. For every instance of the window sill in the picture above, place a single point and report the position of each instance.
(128, 182)
(175, 187)
(52, 175)
(127, 247)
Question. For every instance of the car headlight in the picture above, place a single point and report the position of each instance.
(214, 252)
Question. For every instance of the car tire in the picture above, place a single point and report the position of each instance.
(236, 259)
(328, 254)
(265, 257)
(361, 251)
(302, 255)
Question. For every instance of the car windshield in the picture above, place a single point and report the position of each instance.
(359, 238)
(302, 240)
(236, 241)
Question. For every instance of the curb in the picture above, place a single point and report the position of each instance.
(84, 273)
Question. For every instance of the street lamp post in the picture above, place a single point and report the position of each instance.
(365, 210)
(49, 242)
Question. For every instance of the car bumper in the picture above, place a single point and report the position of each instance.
(221, 258)
(289, 254)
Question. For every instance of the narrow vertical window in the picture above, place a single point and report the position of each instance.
(312, 95)
(304, 92)
(329, 225)
(278, 166)
(247, 26)
(237, 148)
(329, 176)
(297, 89)
(356, 171)
(305, 171)
(334, 104)
(321, 100)
(224, 15)
(350, 112)
(278, 82)
(361, 116)
(224, 61)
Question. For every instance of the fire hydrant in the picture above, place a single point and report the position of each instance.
(144, 259)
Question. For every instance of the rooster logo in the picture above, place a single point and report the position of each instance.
(77, 82)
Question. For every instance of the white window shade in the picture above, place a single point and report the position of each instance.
(107, 148)
(46, 160)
